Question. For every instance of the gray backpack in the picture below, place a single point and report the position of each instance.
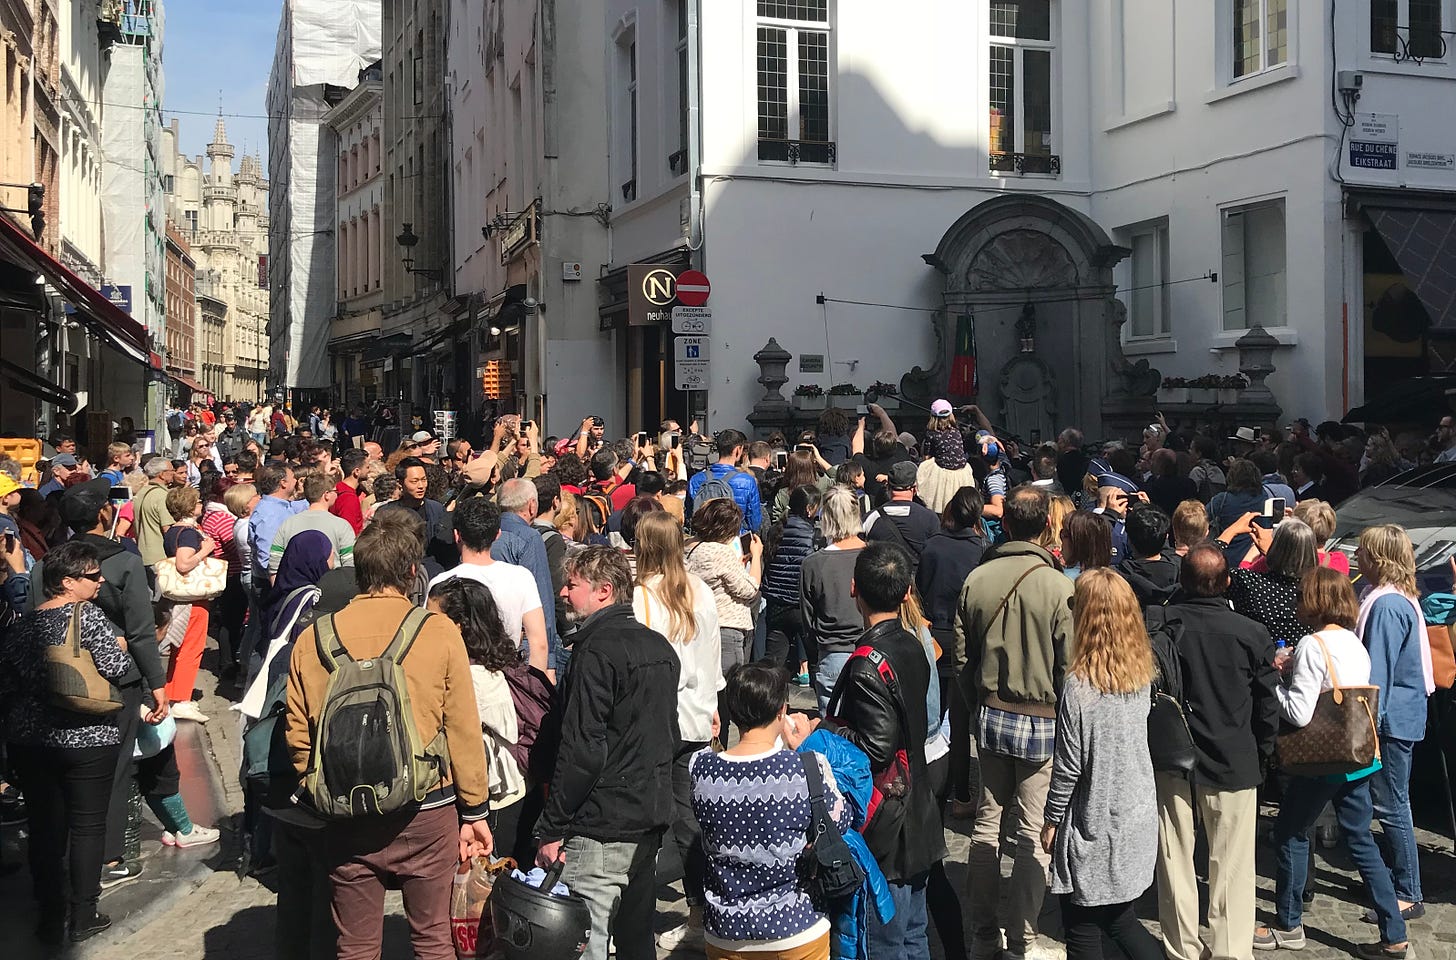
(367, 756)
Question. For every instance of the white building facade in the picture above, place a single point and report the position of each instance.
(529, 204)
(322, 47)
(1192, 148)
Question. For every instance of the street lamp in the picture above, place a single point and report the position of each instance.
(407, 239)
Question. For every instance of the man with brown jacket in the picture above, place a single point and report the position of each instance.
(418, 847)
(1013, 636)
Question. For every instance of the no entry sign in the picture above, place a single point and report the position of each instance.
(692, 288)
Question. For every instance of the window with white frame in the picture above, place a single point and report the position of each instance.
(1260, 36)
(1408, 29)
(632, 122)
(1253, 275)
(1022, 70)
(1147, 281)
(677, 160)
(793, 57)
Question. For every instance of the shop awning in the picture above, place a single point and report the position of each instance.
(1423, 242)
(34, 385)
(108, 320)
(190, 384)
(389, 346)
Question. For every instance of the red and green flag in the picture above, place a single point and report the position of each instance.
(965, 380)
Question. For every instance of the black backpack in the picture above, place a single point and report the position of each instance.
(827, 866)
(1170, 743)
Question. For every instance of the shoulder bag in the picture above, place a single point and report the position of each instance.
(203, 582)
(827, 866)
(74, 682)
(1340, 737)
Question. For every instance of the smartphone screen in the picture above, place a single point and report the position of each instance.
(804, 446)
(1274, 508)
(781, 459)
(746, 541)
(1266, 522)
(120, 494)
(674, 440)
(641, 438)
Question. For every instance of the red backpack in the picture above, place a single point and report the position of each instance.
(894, 780)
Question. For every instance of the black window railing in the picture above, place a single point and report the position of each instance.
(797, 151)
(1023, 163)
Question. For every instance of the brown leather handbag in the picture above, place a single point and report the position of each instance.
(74, 682)
(1443, 655)
(1341, 736)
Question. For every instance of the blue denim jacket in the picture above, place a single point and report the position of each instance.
(1393, 636)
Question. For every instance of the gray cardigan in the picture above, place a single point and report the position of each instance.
(1102, 796)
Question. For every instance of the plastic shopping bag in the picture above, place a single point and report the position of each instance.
(470, 925)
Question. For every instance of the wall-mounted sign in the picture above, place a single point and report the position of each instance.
(651, 292)
(119, 294)
(521, 233)
(695, 320)
(811, 363)
(689, 348)
(1372, 156)
(1430, 161)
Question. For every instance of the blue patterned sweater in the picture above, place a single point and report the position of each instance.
(754, 814)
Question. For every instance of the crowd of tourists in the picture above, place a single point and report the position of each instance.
(578, 652)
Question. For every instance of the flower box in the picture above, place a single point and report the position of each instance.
(810, 403)
(1204, 395)
(1228, 396)
(1168, 395)
(846, 401)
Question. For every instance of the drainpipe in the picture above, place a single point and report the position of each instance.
(535, 374)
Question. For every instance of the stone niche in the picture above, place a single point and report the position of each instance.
(1034, 278)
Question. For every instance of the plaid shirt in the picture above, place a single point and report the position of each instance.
(1017, 735)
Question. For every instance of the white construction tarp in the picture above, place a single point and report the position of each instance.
(320, 42)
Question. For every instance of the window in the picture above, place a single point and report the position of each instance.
(1147, 287)
(678, 162)
(629, 116)
(1407, 29)
(793, 81)
(1253, 266)
(1020, 135)
(1260, 35)
(191, 217)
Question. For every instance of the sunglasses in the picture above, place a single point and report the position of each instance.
(93, 575)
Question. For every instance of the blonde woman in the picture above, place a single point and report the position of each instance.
(1059, 507)
(680, 606)
(1394, 631)
(1102, 776)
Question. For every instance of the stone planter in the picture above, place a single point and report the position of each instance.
(846, 401)
(1172, 395)
(810, 403)
(1228, 395)
(1202, 395)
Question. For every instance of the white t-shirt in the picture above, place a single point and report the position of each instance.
(512, 587)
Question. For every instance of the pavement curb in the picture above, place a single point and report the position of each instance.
(198, 739)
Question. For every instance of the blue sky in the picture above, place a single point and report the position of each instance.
(212, 48)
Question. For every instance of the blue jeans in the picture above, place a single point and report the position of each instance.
(1304, 798)
(826, 675)
(1390, 786)
(904, 937)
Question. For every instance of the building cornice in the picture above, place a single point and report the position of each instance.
(356, 104)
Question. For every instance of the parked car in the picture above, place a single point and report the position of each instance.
(1423, 501)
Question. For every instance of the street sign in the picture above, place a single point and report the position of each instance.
(693, 288)
(691, 319)
(690, 348)
(690, 374)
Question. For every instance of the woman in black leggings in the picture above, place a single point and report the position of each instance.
(65, 759)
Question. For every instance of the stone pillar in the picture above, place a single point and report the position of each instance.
(772, 409)
(1256, 362)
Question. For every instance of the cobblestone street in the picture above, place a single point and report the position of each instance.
(211, 913)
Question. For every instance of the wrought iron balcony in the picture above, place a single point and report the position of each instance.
(797, 151)
(1023, 163)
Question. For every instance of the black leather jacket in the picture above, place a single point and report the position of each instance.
(906, 841)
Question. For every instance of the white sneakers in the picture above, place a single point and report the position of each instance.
(689, 935)
(198, 837)
(188, 710)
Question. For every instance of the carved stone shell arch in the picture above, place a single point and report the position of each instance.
(1021, 259)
